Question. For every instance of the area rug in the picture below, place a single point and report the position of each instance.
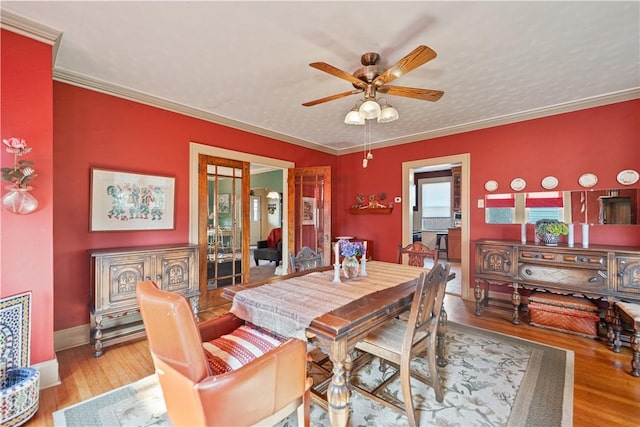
(491, 379)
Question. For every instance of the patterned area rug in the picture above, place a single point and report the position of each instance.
(491, 380)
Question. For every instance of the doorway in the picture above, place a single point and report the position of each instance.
(195, 150)
(407, 210)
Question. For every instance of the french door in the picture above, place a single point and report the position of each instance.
(223, 226)
(309, 212)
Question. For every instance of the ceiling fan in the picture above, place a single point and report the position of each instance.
(371, 78)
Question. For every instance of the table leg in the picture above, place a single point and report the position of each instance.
(477, 293)
(338, 391)
(515, 300)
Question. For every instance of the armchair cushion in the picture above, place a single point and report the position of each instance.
(234, 350)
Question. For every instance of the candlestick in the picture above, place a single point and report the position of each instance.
(364, 252)
(363, 266)
(523, 233)
(336, 251)
(585, 235)
(336, 273)
(570, 235)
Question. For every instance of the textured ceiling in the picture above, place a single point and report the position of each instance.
(245, 64)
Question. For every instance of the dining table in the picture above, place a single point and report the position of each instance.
(337, 313)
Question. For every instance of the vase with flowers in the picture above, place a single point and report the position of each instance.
(350, 251)
(18, 200)
(549, 231)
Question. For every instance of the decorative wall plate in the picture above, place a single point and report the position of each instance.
(628, 177)
(549, 182)
(491, 185)
(588, 180)
(518, 184)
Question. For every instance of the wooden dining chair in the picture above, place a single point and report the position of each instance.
(306, 259)
(417, 253)
(398, 342)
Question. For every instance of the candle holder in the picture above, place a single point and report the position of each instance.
(363, 266)
(336, 273)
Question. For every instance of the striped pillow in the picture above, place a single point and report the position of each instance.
(230, 352)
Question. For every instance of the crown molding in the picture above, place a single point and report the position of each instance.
(91, 83)
(568, 107)
(32, 29)
(102, 86)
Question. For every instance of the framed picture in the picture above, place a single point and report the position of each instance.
(125, 201)
(308, 211)
(224, 205)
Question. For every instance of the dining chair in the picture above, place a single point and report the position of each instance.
(221, 372)
(417, 253)
(306, 259)
(398, 342)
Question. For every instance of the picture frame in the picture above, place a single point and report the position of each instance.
(224, 203)
(308, 211)
(129, 201)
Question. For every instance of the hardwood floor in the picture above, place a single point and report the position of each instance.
(604, 391)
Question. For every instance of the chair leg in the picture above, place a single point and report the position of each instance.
(433, 368)
(407, 396)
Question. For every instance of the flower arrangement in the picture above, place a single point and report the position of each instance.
(21, 172)
(552, 227)
(350, 249)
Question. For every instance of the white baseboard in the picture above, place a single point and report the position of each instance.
(49, 375)
(72, 337)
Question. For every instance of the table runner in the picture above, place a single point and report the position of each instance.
(288, 306)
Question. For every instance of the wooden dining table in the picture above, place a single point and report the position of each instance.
(337, 315)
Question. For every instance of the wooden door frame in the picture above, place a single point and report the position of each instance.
(407, 211)
(195, 149)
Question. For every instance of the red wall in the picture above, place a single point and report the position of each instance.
(96, 130)
(26, 241)
(603, 140)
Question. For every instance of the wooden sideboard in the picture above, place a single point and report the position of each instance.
(115, 274)
(600, 272)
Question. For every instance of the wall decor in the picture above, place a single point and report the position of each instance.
(126, 201)
(491, 185)
(549, 182)
(628, 177)
(518, 184)
(224, 203)
(588, 180)
(308, 211)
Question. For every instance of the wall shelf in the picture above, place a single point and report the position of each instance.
(371, 211)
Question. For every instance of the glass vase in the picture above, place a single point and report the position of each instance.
(350, 267)
(19, 200)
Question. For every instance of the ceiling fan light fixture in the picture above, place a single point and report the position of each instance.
(370, 109)
(354, 117)
(388, 114)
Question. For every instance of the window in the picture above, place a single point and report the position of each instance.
(436, 203)
(544, 205)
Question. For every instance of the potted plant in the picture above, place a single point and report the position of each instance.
(549, 230)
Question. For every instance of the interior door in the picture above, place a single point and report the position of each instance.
(223, 226)
(309, 210)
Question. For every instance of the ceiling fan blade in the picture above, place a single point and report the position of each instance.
(323, 66)
(411, 92)
(413, 60)
(331, 98)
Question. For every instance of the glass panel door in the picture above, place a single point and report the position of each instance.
(223, 184)
(309, 213)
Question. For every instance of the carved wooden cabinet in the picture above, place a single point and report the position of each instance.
(115, 274)
(606, 272)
